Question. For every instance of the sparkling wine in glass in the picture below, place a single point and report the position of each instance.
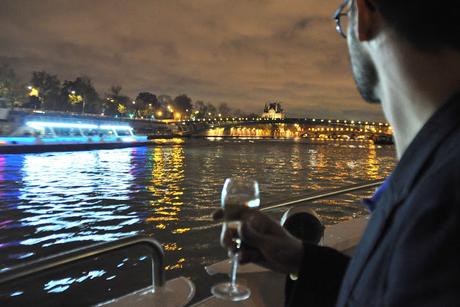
(236, 193)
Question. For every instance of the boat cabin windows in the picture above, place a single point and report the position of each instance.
(90, 132)
(106, 132)
(44, 132)
(67, 132)
(123, 132)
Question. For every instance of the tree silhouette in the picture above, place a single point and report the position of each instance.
(183, 104)
(147, 104)
(48, 87)
(80, 96)
(10, 86)
(116, 102)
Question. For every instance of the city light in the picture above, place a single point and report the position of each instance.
(34, 92)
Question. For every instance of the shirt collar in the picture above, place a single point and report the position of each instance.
(371, 203)
(417, 156)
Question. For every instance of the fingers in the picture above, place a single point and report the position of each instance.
(248, 254)
(252, 237)
(218, 215)
(226, 237)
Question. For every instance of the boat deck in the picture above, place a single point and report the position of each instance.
(268, 287)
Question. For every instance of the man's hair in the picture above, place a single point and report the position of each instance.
(429, 25)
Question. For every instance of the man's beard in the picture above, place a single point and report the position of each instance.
(364, 71)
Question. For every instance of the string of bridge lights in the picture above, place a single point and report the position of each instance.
(258, 119)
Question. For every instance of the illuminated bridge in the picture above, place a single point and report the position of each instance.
(285, 128)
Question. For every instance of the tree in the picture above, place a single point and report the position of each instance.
(147, 104)
(48, 87)
(238, 113)
(183, 104)
(115, 103)
(165, 100)
(211, 110)
(81, 96)
(224, 109)
(10, 87)
(115, 90)
(200, 109)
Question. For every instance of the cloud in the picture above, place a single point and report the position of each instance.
(244, 52)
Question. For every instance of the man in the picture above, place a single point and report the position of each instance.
(406, 55)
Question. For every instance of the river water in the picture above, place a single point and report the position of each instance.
(52, 202)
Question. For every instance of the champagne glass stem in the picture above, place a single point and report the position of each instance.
(234, 269)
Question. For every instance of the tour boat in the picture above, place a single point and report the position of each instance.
(65, 135)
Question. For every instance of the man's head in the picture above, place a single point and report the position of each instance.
(428, 26)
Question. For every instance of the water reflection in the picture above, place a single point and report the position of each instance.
(372, 162)
(166, 185)
(167, 190)
(70, 196)
(62, 196)
(61, 285)
(53, 202)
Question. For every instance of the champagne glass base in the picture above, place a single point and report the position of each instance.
(233, 293)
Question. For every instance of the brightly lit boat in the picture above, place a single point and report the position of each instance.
(43, 136)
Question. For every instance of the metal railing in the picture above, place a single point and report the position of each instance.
(319, 196)
(54, 261)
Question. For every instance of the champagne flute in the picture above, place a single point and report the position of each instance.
(236, 193)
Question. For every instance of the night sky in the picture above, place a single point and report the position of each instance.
(243, 52)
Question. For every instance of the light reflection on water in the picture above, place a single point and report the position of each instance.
(58, 201)
(60, 285)
(60, 195)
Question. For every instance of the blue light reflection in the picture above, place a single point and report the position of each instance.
(66, 198)
(61, 285)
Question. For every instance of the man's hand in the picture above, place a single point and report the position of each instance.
(264, 241)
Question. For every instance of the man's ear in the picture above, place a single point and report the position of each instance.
(367, 20)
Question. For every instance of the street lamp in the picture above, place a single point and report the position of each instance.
(77, 98)
(33, 91)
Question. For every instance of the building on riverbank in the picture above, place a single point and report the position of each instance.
(273, 110)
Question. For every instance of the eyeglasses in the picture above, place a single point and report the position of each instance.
(341, 24)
